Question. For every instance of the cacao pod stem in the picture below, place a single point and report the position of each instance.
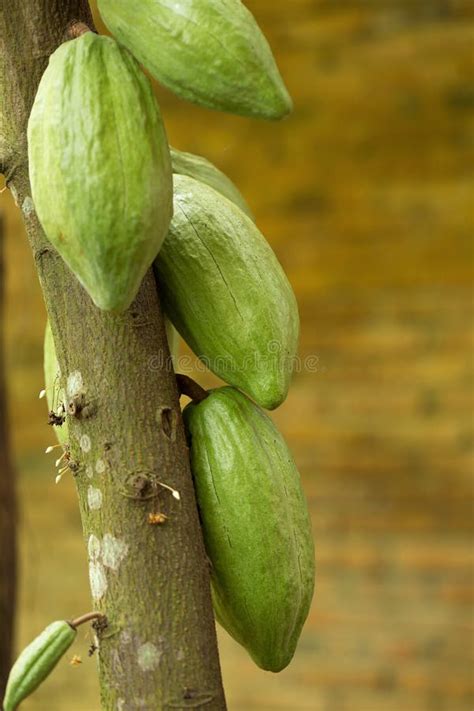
(76, 29)
(87, 618)
(188, 386)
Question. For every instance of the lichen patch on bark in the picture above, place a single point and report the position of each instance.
(27, 206)
(94, 498)
(148, 656)
(114, 551)
(98, 580)
(75, 384)
(100, 466)
(93, 548)
(85, 443)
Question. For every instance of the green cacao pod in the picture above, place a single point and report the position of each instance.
(100, 167)
(210, 52)
(255, 523)
(226, 293)
(52, 377)
(36, 662)
(203, 170)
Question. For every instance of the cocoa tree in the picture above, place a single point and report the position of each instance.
(159, 600)
(101, 187)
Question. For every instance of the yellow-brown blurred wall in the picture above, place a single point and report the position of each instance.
(366, 195)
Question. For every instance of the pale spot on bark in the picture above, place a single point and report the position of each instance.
(120, 704)
(180, 655)
(94, 548)
(98, 580)
(125, 637)
(28, 206)
(94, 498)
(148, 656)
(75, 384)
(85, 443)
(100, 466)
(113, 551)
(89, 471)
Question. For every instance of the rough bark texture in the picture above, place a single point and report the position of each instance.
(7, 514)
(159, 650)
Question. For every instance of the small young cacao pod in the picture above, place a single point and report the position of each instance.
(203, 170)
(226, 293)
(37, 661)
(100, 167)
(55, 396)
(210, 52)
(255, 522)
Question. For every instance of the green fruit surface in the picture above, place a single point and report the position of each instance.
(100, 167)
(256, 525)
(203, 170)
(52, 379)
(210, 52)
(226, 293)
(36, 662)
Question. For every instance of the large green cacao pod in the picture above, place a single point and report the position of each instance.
(211, 52)
(256, 525)
(52, 377)
(37, 661)
(100, 167)
(203, 170)
(226, 293)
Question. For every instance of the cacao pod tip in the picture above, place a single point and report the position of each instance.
(111, 305)
(273, 662)
(270, 401)
(113, 302)
(271, 394)
(283, 105)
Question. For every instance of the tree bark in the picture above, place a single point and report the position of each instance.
(159, 649)
(7, 514)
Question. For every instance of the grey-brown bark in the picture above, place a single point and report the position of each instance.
(151, 581)
(7, 512)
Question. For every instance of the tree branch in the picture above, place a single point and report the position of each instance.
(127, 438)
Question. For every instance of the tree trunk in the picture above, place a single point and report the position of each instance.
(159, 649)
(7, 514)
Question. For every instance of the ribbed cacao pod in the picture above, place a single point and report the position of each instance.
(100, 167)
(203, 170)
(210, 52)
(226, 293)
(52, 378)
(36, 662)
(255, 522)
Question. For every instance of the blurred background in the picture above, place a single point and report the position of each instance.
(366, 195)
